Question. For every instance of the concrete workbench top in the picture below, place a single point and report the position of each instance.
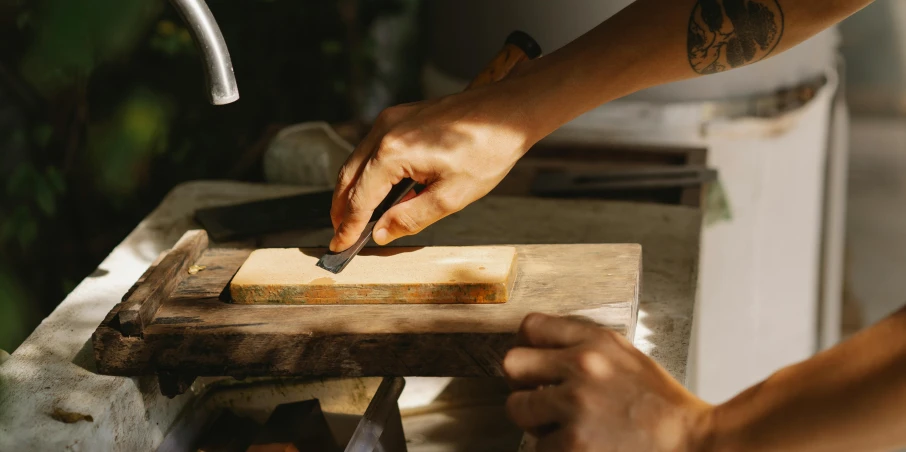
(51, 398)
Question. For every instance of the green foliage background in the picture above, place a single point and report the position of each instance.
(103, 110)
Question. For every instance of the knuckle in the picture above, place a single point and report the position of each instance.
(447, 204)
(610, 339)
(386, 117)
(406, 223)
(445, 164)
(356, 202)
(344, 176)
(344, 229)
(532, 320)
(531, 324)
(608, 334)
(590, 363)
(391, 143)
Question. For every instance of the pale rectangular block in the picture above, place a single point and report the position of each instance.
(404, 275)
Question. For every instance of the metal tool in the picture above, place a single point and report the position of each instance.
(518, 47)
(218, 68)
(335, 263)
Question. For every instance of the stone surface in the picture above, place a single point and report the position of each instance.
(53, 369)
(393, 275)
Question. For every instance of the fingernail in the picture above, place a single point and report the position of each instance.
(381, 236)
(333, 244)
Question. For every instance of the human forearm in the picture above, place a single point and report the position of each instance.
(652, 42)
(851, 397)
(461, 146)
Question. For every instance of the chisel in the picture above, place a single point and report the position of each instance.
(519, 47)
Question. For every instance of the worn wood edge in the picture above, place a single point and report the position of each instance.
(453, 293)
(634, 310)
(107, 340)
(141, 305)
(218, 266)
(141, 279)
(510, 285)
(116, 354)
(490, 293)
(316, 356)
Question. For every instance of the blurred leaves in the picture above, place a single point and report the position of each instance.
(331, 47)
(33, 193)
(171, 39)
(122, 145)
(14, 311)
(21, 226)
(71, 38)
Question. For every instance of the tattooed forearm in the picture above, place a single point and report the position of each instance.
(725, 34)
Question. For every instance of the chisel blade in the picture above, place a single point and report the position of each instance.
(336, 262)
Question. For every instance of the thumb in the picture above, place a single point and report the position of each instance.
(410, 217)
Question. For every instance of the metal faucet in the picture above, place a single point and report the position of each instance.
(218, 68)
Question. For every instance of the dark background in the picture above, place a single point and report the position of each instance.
(103, 110)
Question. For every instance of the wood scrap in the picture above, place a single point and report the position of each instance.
(138, 310)
(405, 275)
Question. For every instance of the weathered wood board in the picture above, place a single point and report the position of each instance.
(393, 275)
(140, 304)
(197, 331)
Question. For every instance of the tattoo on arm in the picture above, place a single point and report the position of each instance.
(726, 34)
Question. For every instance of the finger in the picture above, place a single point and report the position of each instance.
(349, 173)
(368, 191)
(542, 330)
(412, 216)
(536, 409)
(528, 368)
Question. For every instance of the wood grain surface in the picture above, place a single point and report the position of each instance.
(387, 275)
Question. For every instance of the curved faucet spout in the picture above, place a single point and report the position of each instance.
(218, 68)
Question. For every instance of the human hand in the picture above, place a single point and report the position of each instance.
(580, 387)
(460, 147)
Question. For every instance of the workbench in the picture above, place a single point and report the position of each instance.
(51, 398)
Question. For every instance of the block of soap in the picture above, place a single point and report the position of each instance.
(386, 275)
